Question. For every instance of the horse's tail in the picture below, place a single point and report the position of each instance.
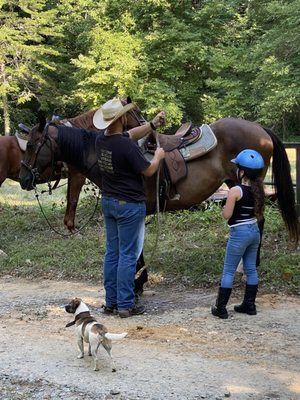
(281, 176)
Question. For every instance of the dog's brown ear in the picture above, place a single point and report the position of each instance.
(78, 299)
(76, 302)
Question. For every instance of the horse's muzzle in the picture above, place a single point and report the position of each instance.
(28, 176)
(26, 183)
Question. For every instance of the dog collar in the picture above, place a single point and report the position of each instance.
(80, 315)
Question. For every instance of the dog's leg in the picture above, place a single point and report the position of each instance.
(94, 350)
(108, 346)
(80, 345)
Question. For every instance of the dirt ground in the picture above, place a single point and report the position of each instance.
(177, 350)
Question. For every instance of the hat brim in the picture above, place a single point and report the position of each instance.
(101, 123)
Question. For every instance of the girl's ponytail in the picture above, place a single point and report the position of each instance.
(259, 196)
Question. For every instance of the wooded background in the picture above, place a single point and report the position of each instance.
(197, 60)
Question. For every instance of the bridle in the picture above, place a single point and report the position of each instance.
(31, 164)
(137, 116)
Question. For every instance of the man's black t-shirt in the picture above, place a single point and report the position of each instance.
(121, 163)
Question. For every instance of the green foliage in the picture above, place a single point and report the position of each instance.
(198, 60)
(257, 66)
(26, 59)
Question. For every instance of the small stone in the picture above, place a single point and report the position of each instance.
(114, 392)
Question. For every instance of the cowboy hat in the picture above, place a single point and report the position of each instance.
(110, 112)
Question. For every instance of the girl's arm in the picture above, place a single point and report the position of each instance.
(234, 195)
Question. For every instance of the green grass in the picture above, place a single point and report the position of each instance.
(190, 248)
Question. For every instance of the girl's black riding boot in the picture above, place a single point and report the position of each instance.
(248, 304)
(219, 310)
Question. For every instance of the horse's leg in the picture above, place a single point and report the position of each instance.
(142, 278)
(261, 229)
(75, 183)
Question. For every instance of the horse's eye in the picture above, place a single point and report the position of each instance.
(29, 145)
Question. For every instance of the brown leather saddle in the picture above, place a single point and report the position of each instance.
(174, 162)
(186, 145)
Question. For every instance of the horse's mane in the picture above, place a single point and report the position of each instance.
(74, 143)
(84, 121)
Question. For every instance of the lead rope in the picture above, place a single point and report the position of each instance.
(138, 274)
(71, 233)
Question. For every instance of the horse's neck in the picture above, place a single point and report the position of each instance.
(77, 148)
(84, 121)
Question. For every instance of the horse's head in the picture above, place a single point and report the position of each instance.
(38, 157)
(134, 116)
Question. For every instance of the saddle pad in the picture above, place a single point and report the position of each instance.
(21, 142)
(205, 144)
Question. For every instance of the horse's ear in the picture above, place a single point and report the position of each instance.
(42, 123)
(129, 100)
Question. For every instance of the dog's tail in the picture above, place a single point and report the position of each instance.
(115, 336)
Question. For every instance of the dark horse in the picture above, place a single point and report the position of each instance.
(205, 174)
(11, 156)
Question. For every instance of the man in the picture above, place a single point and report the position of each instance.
(123, 168)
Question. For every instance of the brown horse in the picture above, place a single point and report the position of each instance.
(204, 174)
(10, 158)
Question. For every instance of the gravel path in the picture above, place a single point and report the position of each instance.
(175, 351)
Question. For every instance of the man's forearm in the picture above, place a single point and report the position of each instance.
(153, 167)
(140, 131)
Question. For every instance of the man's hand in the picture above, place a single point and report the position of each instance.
(155, 162)
(159, 119)
(160, 153)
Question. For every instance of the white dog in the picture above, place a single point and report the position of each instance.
(90, 331)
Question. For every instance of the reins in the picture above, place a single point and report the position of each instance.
(140, 122)
(158, 226)
(55, 186)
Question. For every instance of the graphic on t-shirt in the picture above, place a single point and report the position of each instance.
(105, 161)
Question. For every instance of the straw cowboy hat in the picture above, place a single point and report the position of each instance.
(110, 112)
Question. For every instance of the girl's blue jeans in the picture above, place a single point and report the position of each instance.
(125, 229)
(243, 243)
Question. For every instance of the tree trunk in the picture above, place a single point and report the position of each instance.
(5, 106)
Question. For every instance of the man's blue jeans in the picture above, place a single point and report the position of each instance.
(243, 243)
(125, 229)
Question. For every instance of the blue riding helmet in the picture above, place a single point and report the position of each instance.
(250, 160)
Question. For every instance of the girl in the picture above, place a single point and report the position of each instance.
(244, 208)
